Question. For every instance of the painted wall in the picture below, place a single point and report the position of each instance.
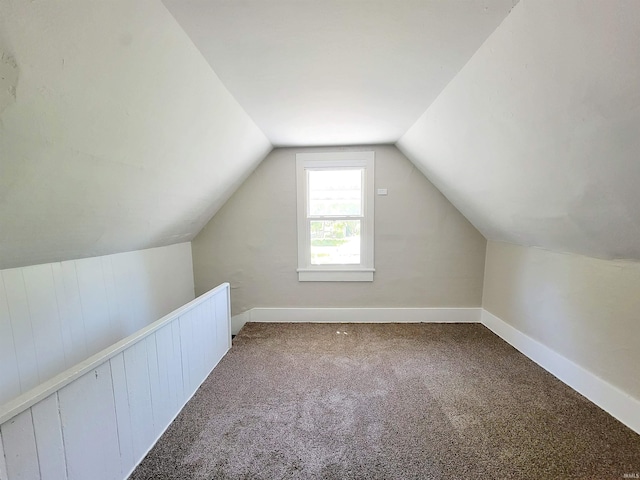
(115, 134)
(426, 253)
(55, 315)
(536, 139)
(585, 309)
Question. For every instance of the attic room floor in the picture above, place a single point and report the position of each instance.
(387, 401)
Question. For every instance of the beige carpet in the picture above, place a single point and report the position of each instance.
(387, 401)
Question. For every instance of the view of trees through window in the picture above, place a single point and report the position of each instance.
(335, 214)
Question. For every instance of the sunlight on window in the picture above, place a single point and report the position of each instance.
(335, 198)
(335, 242)
(335, 192)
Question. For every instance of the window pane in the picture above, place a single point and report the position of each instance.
(335, 192)
(335, 242)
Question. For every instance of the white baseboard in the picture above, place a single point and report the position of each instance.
(611, 399)
(357, 315)
(238, 321)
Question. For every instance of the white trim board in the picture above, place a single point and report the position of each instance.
(356, 315)
(612, 400)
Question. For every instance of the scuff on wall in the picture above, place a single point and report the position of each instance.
(9, 73)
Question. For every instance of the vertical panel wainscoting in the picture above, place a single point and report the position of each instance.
(99, 418)
(56, 315)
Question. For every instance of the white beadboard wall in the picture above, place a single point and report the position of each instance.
(98, 419)
(54, 315)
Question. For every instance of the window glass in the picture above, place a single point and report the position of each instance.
(335, 242)
(335, 192)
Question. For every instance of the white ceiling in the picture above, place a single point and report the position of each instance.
(337, 72)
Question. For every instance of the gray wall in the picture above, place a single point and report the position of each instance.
(426, 253)
(585, 309)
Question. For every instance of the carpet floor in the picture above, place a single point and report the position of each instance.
(387, 401)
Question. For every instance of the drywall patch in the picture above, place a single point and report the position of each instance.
(8, 79)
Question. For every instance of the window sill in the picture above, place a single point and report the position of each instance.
(360, 275)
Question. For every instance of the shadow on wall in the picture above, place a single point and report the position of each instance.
(542, 295)
(583, 308)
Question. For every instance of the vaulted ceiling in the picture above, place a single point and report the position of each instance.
(126, 125)
(336, 72)
(537, 139)
(115, 133)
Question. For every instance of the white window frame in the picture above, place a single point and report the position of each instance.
(362, 272)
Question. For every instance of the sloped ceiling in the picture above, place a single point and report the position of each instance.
(537, 139)
(115, 133)
(337, 72)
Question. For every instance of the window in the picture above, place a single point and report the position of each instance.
(335, 216)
